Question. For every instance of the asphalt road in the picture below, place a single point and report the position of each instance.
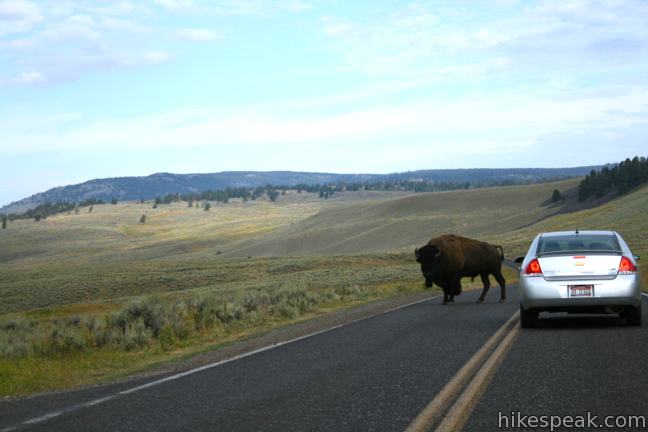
(376, 374)
(569, 366)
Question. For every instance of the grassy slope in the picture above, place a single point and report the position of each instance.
(109, 254)
(402, 223)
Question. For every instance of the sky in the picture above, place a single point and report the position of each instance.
(92, 89)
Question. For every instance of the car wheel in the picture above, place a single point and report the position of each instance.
(633, 316)
(528, 317)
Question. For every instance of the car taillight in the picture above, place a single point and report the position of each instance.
(533, 268)
(626, 266)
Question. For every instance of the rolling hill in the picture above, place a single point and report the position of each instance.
(398, 223)
(136, 188)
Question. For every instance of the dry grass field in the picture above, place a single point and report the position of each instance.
(404, 222)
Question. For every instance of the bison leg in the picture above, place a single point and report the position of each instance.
(486, 282)
(502, 283)
(455, 287)
(446, 297)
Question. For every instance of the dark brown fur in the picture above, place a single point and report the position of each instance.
(446, 259)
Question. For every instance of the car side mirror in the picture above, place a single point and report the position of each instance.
(519, 259)
(637, 258)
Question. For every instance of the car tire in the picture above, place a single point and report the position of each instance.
(633, 316)
(528, 317)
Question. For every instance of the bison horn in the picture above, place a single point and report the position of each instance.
(416, 252)
(438, 254)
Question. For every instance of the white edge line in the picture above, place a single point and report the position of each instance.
(43, 418)
(205, 367)
(98, 401)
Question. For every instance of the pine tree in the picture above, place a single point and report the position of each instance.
(143, 218)
(556, 196)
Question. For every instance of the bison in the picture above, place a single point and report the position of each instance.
(448, 258)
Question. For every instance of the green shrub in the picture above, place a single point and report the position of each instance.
(59, 339)
(73, 341)
(205, 310)
(136, 336)
(10, 348)
(151, 310)
(166, 337)
(14, 324)
(349, 290)
(255, 300)
(229, 312)
(181, 320)
(284, 310)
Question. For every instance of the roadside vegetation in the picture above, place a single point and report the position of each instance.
(77, 344)
(66, 346)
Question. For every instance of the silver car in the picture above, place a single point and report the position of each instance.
(579, 272)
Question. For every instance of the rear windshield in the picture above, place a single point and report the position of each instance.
(578, 243)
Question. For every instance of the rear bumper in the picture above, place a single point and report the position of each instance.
(537, 293)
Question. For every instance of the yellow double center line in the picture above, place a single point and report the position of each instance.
(472, 378)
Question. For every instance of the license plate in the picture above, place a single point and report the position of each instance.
(581, 291)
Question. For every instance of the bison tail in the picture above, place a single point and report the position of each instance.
(501, 251)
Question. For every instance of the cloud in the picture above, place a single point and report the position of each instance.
(17, 16)
(148, 57)
(197, 35)
(543, 38)
(295, 6)
(124, 26)
(494, 123)
(176, 4)
(340, 27)
(234, 7)
(27, 78)
(74, 42)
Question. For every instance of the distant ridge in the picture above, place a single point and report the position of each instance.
(159, 184)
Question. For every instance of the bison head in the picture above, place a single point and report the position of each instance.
(428, 257)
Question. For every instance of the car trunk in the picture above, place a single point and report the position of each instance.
(580, 267)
